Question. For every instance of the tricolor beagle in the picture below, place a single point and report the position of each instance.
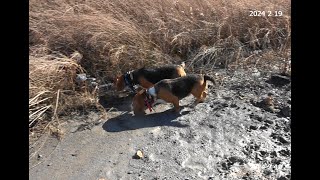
(171, 91)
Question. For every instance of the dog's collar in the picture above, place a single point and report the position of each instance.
(128, 79)
(148, 101)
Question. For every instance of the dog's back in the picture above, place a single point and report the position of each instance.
(154, 75)
(147, 77)
(180, 87)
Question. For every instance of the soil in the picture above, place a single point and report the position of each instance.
(241, 131)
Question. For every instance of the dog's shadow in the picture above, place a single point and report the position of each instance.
(127, 121)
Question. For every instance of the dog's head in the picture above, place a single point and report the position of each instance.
(119, 82)
(138, 102)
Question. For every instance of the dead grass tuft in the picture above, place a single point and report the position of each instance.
(53, 90)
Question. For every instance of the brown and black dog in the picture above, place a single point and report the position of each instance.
(147, 77)
(171, 91)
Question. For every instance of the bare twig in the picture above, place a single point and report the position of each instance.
(55, 116)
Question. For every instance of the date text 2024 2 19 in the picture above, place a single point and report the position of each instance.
(265, 13)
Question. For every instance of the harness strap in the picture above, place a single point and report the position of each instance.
(148, 101)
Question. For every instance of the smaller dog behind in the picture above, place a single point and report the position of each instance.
(147, 77)
(171, 91)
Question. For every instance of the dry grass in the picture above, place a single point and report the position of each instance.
(115, 36)
(53, 90)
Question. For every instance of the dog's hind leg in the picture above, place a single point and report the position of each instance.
(170, 98)
(175, 101)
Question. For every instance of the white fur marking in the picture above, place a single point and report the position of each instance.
(152, 91)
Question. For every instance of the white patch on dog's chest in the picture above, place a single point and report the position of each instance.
(152, 92)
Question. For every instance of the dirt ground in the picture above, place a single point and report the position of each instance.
(241, 131)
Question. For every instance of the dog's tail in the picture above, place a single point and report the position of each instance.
(206, 77)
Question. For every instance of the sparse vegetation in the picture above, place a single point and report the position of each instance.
(116, 36)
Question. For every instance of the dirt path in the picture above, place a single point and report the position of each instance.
(233, 135)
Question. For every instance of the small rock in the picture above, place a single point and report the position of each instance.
(39, 156)
(129, 172)
(138, 155)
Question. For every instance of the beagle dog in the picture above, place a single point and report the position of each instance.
(171, 91)
(147, 77)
